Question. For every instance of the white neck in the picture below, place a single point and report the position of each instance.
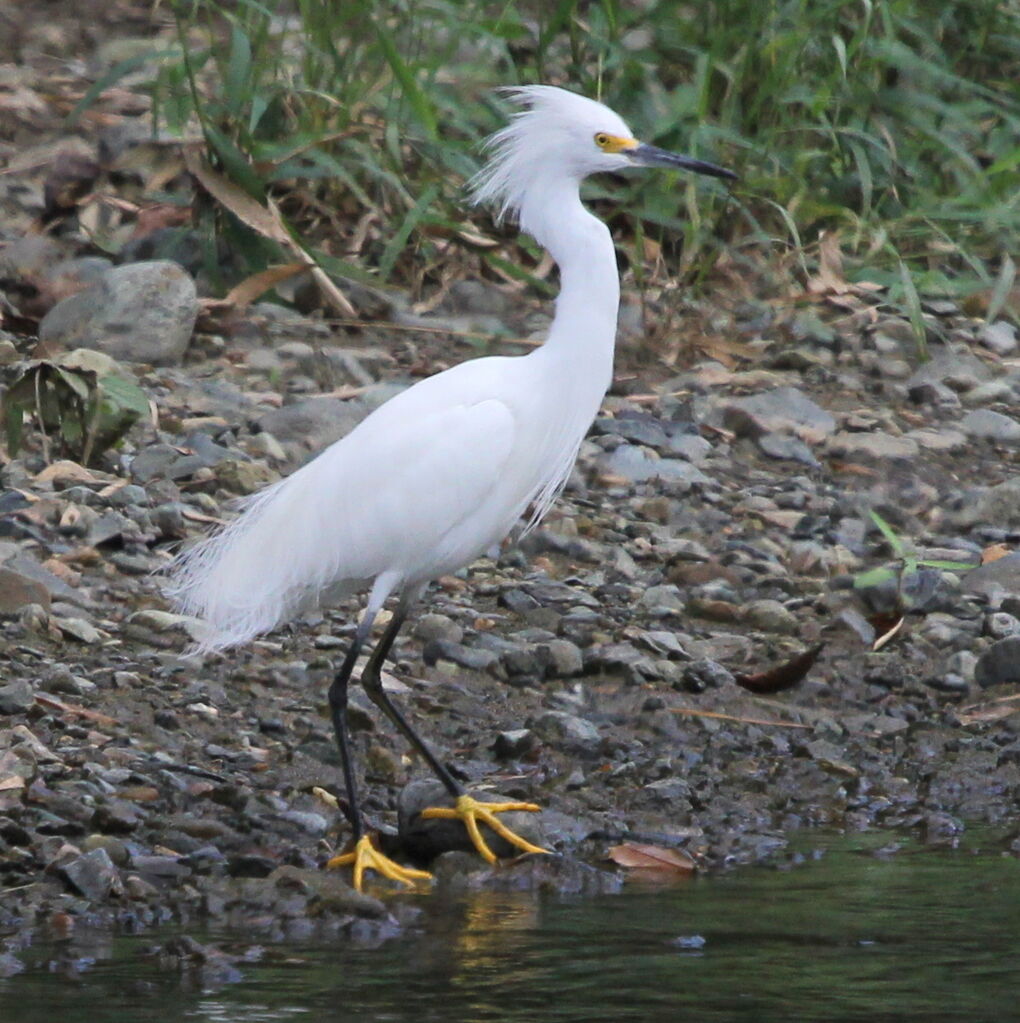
(584, 329)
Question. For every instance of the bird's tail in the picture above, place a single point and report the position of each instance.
(241, 581)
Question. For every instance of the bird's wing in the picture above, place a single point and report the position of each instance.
(409, 488)
(405, 492)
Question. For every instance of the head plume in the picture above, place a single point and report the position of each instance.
(551, 135)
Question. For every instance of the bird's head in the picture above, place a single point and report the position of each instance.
(559, 135)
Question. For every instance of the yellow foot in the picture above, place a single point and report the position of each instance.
(365, 856)
(471, 811)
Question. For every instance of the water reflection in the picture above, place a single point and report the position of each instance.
(917, 937)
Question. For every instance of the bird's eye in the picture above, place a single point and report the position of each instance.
(601, 140)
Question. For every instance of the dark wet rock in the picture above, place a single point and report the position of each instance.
(16, 697)
(984, 424)
(423, 840)
(93, 874)
(567, 731)
(139, 312)
(999, 664)
(559, 875)
(514, 743)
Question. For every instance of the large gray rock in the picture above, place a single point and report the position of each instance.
(783, 410)
(141, 312)
(316, 421)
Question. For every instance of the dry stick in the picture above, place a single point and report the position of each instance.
(691, 712)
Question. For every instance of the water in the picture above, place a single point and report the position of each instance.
(919, 936)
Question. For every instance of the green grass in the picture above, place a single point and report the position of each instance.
(894, 122)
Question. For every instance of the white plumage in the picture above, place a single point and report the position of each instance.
(443, 471)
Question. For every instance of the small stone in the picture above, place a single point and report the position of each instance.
(93, 875)
(17, 591)
(1000, 624)
(463, 656)
(560, 658)
(16, 697)
(431, 627)
(79, 629)
(241, 477)
(771, 616)
(567, 731)
(999, 664)
(783, 410)
(705, 674)
(984, 424)
(876, 445)
(999, 337)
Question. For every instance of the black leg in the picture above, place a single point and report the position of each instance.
(371, 680)
(338, 714)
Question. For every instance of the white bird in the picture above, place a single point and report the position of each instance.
(442, 472)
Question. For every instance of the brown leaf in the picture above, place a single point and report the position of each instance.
(242, 295)
(235, 199)
(265, 220)
(782, 676)
(639, 856)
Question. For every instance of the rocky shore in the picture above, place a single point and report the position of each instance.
(723, 519)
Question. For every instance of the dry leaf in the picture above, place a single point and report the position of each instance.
(251, 288)
(889, 636)
(782, 676)
(639, 856)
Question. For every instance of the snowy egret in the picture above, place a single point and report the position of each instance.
(442, 472)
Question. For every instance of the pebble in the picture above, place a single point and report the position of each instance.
(984, 424)
(16, 697)
(999, 337)
(999, 664)
(704, 674)
(783, 410)
(567, 732)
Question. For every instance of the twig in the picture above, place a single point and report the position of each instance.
(691, 712)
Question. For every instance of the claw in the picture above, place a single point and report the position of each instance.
(471, 811)
(366, 856)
